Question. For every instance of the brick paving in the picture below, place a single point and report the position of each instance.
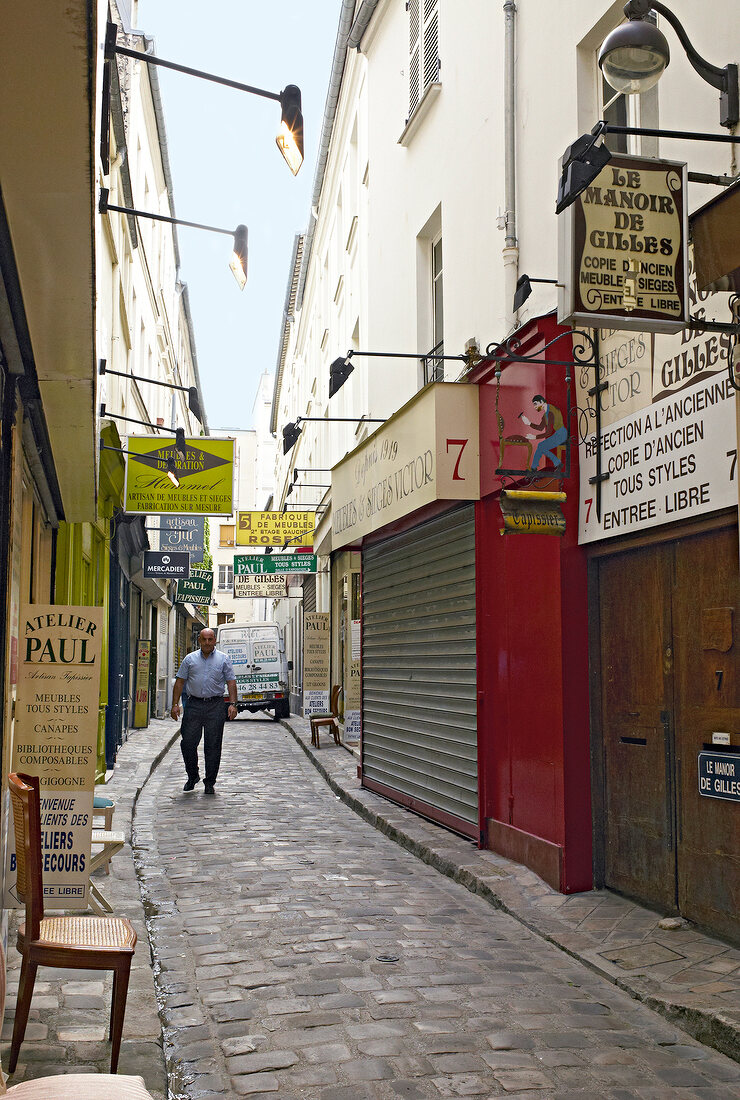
(300, 953)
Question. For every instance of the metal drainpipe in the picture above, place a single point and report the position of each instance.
(511, 245)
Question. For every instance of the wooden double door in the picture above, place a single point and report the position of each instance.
(670, 679)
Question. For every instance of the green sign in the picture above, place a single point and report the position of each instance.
(197, 588)
(257, 564)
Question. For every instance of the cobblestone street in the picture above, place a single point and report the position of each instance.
(300, 952)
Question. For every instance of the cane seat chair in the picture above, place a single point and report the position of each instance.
(329, 718)
(514, 440)
(77, 942)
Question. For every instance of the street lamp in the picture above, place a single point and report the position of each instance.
(191, 391)
(180, 444)
(290, 134)
(238, 262)
(634, 56)
(582, 162)
(524, 289)
(342, 367)
(292, 431)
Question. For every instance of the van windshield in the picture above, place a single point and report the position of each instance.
(241, 633)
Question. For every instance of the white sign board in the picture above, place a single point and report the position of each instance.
(674, 454)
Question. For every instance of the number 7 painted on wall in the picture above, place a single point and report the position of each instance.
(461, 443)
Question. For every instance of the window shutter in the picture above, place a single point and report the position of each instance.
(414, 54)
(431, 43)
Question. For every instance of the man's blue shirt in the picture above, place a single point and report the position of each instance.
(205, 676)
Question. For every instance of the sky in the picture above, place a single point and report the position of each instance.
(227, 169)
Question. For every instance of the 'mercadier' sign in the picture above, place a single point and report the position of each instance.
(624, 249)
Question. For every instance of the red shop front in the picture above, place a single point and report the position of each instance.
(532, 625)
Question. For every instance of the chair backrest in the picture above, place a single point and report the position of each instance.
(26, 801)
(334, 701)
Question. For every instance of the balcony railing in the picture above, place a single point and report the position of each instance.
(433, 365)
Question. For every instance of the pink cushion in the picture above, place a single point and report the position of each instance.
(81, 1086)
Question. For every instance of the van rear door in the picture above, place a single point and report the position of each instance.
(266, 659)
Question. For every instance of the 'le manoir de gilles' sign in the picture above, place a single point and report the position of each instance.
(623, 249)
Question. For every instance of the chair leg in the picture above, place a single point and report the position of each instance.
(118, 1010)
(335, 731)
(112, 1005)
(25, 992)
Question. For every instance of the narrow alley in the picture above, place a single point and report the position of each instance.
(301, 953)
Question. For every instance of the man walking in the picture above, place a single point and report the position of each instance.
(204, 671)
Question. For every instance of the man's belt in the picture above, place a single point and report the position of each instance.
(205, 698)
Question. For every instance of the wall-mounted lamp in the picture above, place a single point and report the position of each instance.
(290, 135)
(191, 391)
(341, 368)
(180, 444)
(238, 261)
(524, 289)
(582, 162)
(292, 431)
(171, 468)
(634, 56)
(584, 159)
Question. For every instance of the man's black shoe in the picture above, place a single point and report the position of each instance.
(209, 789)
(190, 785)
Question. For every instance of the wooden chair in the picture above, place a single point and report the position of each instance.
(329, 718)
(73, 1086)
(85, 943)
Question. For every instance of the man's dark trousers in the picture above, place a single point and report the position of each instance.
(203, 716)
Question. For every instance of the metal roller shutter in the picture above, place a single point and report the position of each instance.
(419, 717)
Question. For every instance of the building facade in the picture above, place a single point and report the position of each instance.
(540, 694)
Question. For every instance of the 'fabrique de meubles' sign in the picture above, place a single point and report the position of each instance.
(623, 249)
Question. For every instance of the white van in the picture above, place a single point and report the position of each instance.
(257, 652)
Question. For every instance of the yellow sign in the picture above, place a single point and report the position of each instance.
(55, 736)
(206, 476)
(275, 528)
(532, 513)
(427, 451)
(625, 248)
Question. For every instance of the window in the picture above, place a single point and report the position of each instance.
(424, 60)
(225, 578)
(434, 370)
(226, 534)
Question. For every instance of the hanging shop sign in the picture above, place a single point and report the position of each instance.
(247, 586)
(668, 437)
(275, 528)
(257, 564)
(623, 249)
(173, 564)
(184, 533)
(141, 696)
(197, 589)
(719, 775)
(428, 451)
(55, 735)
(316, 658)
(206, 476)
(532, 513)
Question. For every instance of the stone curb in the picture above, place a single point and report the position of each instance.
(714, 1029)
